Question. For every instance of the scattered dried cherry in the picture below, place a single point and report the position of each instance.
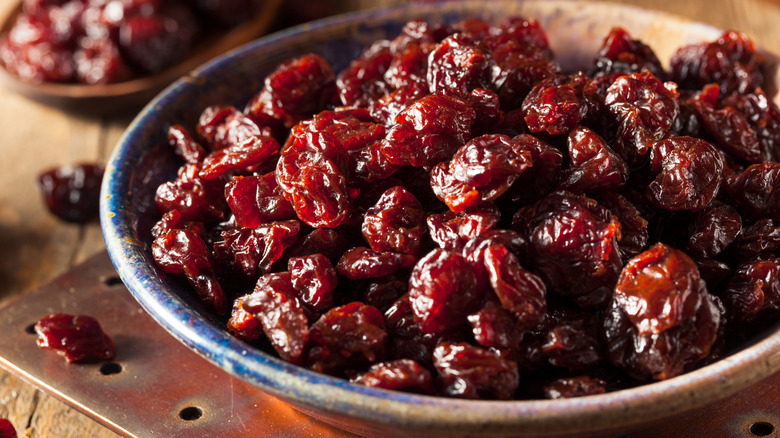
(78, 338)
(72, 193)
(7, 429)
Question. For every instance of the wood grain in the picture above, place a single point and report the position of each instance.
(35, 247)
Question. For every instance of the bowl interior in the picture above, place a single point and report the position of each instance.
(142, 161)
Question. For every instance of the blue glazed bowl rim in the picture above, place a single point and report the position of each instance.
(324, 394)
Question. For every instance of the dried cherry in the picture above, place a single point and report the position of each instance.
(72, 193)
(467, 371)
(662, 320)
(78, 338)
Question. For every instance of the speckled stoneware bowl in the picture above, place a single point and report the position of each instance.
(138, 165)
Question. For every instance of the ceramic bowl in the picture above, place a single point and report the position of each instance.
(138, 165)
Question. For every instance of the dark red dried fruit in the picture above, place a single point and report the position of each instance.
(78, 338)
(184, 145)
(243, 324)
(574, 387)
(452, 230)
(755, 192)
(293, 92)
(7, 429)
(644, 109)
(362, 82)
(494, 327)
(714, 228)
(312, 171)
(98, 61)
(573, 246)
(634, 235)
(349, 335)
(275, 304)
(727, 125)
(72, 193)
(594, 166)
(387, 107)
(361, 262)
(543, 175)
(458, 65)
(410, 51)
(572, 338)
(443, 291)
(689, 172)
(195, 198)
(519, 291)
(480, 171)
(247, 155)
(730, 61)
(662, 320)
(760, 238)
(400, 375)
(428, 131)
(555, 104)
(183, 252)
(314, 277)
(621, 54)
(255, 200)
(253, 251)
(753, 292)
(466, 371)
(152, 43)
(395, 223)
(174, 220)
(763, 115)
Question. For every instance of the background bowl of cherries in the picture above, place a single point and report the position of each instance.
(102, 56)
(505, 218)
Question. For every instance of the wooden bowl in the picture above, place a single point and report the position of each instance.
(139, 164)
(130, 96)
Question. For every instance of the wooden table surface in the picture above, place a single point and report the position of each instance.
(35, 247)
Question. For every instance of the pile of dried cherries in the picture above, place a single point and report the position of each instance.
(453, 214)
